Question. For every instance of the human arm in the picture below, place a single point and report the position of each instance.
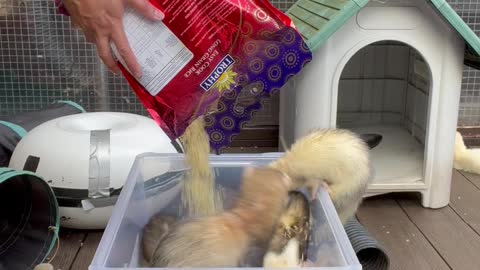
(101, 22)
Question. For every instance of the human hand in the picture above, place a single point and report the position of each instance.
(101, 22)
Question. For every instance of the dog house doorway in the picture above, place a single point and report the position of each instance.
(385, 89)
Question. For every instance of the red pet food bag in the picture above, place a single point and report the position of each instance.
(216, 58)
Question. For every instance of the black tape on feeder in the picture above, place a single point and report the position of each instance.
(29, 220)
(14, 127)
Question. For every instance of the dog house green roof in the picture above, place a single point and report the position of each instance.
(317, 20)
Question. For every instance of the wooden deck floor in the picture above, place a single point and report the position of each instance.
(414, 237)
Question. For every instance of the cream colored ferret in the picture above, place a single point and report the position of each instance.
(335, 157)
(467, 160)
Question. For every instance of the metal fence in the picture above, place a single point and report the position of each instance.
(469, 114)
(43, 59)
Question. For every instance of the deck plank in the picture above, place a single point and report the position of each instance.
(473, 178)
(465, 200)
(405, 245)
(87, 251)
(70, 243)
(455, 241)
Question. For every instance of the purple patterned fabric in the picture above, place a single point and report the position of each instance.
(271, 66)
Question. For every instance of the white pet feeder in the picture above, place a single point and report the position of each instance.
(387, 67)
(86, 159)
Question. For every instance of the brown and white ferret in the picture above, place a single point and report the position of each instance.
(288, 246)
(224, 240)
(294, 223)
(337, 158)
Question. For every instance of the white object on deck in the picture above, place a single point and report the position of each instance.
(86, 159)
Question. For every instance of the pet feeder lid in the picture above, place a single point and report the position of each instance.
(317, 20)
(30, 219)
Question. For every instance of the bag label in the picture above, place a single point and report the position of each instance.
(218, 72)
(159, 52)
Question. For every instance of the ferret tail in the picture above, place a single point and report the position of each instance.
(465, 159)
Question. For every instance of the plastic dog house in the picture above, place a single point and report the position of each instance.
(387, 67)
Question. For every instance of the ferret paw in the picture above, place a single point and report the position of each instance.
(313, 193)
(306, 263)
(313, 190)
(44, 266)
(326, 187)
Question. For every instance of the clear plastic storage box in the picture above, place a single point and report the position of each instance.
(154, 186)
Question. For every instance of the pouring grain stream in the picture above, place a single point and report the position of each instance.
(199, 195)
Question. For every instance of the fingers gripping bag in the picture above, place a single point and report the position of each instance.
(215, 59)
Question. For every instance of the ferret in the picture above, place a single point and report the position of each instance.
(153, 233)
(294, 223)
(467, 160)
(337, 158)
(223, 240)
